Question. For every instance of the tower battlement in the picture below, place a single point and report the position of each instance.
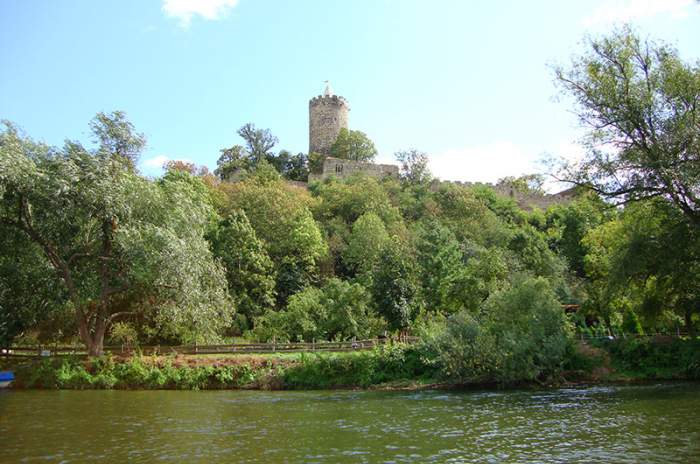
(333, 100)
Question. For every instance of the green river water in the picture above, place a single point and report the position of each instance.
(649, 424)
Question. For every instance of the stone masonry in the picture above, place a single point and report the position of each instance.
(342, 168)
(328, 114)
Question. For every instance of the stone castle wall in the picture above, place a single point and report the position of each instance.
(342, 168)
(525, 200)
(327, 115)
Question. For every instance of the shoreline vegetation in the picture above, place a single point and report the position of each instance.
(389, 368)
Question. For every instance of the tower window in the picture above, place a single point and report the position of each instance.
(339, 168)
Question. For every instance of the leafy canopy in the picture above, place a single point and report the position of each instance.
(639, 101)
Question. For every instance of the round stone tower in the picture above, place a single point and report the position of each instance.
(328, 113)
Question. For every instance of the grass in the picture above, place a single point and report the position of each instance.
(386, 367)
(363, 369)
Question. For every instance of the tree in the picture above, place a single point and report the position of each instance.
(118, 244)
(337, 311)
(292, 167)
(519, 334)
(353, 145)
(394, 286)
(184, 166)
(231, 161)
(282, 219)
(530, 183)
(646, 261)
(116, 136)
(414, 166)
(366, 243)
(29, 293)
(249, 269)
(639, 101)
(568, 224)
(259, 142)
(440, 263)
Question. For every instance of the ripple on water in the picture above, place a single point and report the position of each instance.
(596, 424)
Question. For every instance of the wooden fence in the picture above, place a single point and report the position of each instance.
(234, 348)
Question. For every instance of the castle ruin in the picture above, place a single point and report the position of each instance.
(328, 114)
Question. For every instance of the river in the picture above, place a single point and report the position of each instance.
(651, 423)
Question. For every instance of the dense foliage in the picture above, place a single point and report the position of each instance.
(91, 249)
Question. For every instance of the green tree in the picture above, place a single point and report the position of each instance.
(292, 167)
(282, 219)
(394, 286)
(519, 334)
(337, 311)
(639, 101)
(530, 183)
(249, 269)
(353, 145)
(348, 199)
(647, 258)
(259, 142)
(29, 293)
(116, 136)
(365, 244)
(568, 224)
(118, 244)
(440, 263)
(414, 166)
(232, 161)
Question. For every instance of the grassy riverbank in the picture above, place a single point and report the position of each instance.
(385, 365)
(390, 367)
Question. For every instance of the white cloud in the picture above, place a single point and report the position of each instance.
(156, 162)
(184, 10)
(492, 161)
(616, 11)
(482, 163)
(155, 166)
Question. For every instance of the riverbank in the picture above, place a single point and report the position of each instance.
(382, 366)
(396, 367)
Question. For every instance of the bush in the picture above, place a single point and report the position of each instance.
(364, 368)
(337, 311)
(519, 334)
(655, 357)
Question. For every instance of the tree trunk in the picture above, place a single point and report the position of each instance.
(689, 323)
(96, 346)
(94, 340)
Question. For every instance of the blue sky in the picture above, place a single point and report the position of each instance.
(470, 83)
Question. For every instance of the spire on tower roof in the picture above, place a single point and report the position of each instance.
(329, 90)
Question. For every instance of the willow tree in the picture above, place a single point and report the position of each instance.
(119, 245)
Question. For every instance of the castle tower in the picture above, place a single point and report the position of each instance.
(328, 113)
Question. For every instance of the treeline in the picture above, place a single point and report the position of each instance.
(92, 249)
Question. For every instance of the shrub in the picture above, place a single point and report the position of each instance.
(337, 311)
(519, 334)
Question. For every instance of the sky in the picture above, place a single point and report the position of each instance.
(469, 83)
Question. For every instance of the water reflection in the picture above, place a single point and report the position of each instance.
(655, 423)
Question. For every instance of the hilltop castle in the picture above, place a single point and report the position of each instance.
(328, 114)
